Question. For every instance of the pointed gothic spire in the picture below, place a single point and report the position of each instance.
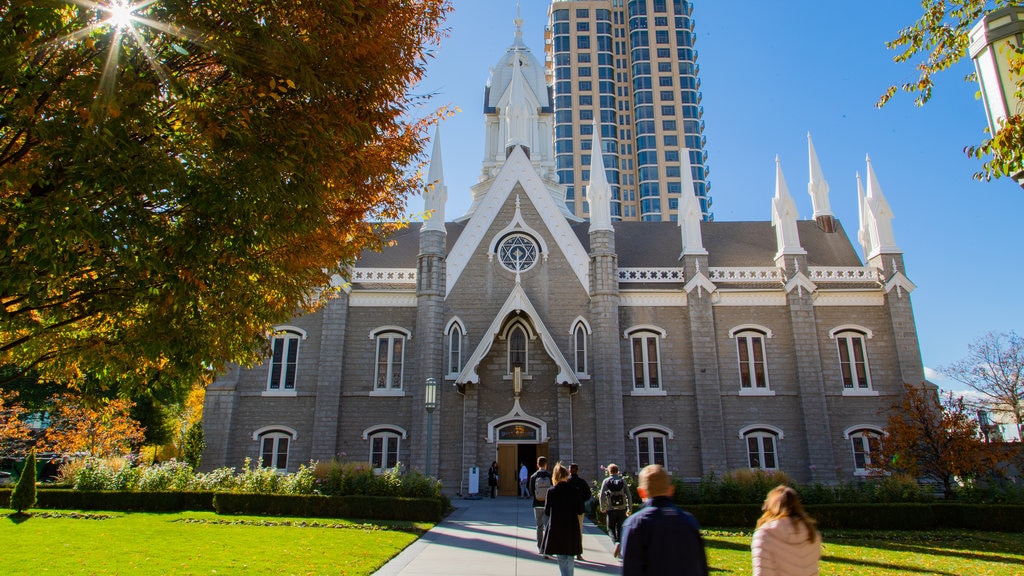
(599, 192)
(880, 216)
(690, 214)
(519, 25)
(784, 216)
(436, 195)
(863, 234)
(817, 187)
(517, 111)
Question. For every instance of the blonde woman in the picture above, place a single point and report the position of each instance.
(562, 538)
(786, 542)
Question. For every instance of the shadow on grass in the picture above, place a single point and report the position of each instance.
(989, 547)
(18, 517)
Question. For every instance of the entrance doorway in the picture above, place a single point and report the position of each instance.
(510, 458)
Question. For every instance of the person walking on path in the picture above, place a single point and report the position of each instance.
(615, 501)
(660, 539)
(539, 484)
(524, 477)
(786, 542)
(492, 478)
(583, 488)
(562, 509)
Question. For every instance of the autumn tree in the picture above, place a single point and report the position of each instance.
(933, 437)
(938, 40)
(994, 367)
(102, 428)
(14, 433)
(178, 176)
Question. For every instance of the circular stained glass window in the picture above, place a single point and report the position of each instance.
(518, 252)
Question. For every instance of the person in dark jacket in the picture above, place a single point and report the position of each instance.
(562, 537)
(585, 493)
(492, 478)
(660, 539)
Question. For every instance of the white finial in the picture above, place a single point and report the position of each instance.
(519, 24)
(599, 193)
(879, 217)
(863, 235)
(784, 215)
(690, 214)
(817, 186)
(436, 195)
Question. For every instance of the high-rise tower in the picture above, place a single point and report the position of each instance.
(631, 66)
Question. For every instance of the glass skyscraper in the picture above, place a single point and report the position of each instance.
(629, 68)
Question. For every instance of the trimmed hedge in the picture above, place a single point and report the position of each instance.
(994, 518)
(361, 507)
(364, 507)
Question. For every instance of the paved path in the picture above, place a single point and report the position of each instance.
(484, 537)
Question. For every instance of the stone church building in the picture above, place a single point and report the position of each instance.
(703, 346)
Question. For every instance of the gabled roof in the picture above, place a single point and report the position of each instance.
(517, 302)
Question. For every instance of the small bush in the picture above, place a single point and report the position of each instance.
(24, 495)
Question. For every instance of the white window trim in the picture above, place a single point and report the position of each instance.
(848, 331)
(860, 431)
(645, 331)
(275, 431)
(761, 431)
(748, 330)
(506, 336)
(286, 333)
(375, 335)
(455, 324)
(647, 434)
(581, 324)
(385, 431)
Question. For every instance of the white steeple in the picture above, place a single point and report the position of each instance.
(784, 215)
(880, 216)
(817, 187)
(436, 194)
(599, 192)
(517, 109)
(863, 235)
(689, 211)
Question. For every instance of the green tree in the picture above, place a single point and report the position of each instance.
(994, 367)
(176, 180)
(938, 40)
(933, 437)
(24, 495)
(193, 445)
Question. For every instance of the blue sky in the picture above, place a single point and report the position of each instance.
(771, 72)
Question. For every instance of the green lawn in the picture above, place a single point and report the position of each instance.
(195, 543)
(953, 553)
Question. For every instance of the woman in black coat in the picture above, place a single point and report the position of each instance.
(562, 538)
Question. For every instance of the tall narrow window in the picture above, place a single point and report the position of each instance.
(283, 363)
(454, 349)
(580, 348)
(853, 361)
(517, 349)
(761, 452)
(751, 354)
(390, 359)
(646, 361)
(274, 450)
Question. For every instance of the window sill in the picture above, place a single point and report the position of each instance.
(582, 376)
(279, 393)
(388, 393)
(756, 392)
(855, 392)
(647, 392)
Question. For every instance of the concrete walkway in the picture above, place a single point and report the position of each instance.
(498, 536)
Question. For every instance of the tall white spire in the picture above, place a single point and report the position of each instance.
(863, 234)
(817, 186)
(784, 215)
(880, 216)
(517, 111)
(436, 194)
(690, 214)
(599, 192)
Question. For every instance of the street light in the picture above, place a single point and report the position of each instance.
(992, 41)
(430, 403)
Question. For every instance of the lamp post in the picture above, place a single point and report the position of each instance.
(992, 41)
(430, 404)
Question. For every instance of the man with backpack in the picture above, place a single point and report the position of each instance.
(539, 484)
(616, 501)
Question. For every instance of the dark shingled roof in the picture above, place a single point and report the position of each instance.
(658, 244)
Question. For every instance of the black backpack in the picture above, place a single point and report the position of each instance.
(615, 489)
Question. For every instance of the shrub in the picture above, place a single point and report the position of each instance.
(169, 475)
(24, 495)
